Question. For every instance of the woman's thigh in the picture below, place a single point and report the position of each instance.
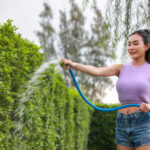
(145, 147)
(120, 147)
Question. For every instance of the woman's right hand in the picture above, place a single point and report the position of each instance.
(68, 62)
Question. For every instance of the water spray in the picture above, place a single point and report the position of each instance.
(95, 107)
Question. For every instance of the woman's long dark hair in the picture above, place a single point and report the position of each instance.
(145, 34)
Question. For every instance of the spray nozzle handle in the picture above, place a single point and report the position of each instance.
(61, 63)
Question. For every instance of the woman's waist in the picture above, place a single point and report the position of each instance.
(133, 109)
(129, 110)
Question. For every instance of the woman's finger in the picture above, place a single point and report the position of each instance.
(144, 107)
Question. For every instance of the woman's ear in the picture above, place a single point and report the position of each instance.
(147, 46)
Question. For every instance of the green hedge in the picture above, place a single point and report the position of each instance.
(53, 117)
(19, 58)
(44, 114)
(102, 129)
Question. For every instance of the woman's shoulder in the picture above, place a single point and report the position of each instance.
(120, 66)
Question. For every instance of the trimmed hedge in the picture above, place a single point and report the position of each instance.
(49, 115)
(19, 58)
(53, 117)
(43, 113)
(102, 129)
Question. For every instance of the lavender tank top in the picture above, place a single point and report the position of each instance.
(133, 85)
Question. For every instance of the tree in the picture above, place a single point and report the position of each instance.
(129, 15)
(46, 35)
(86, 2)
(126, 17)
(77, 45)
(72, 37)
(98, 54)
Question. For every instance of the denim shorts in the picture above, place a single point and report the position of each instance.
(132, 130)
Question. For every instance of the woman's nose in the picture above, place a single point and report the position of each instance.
(131, 47)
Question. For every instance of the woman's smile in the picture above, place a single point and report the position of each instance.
(132, 53)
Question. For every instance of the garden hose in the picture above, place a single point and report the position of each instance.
(95, 107)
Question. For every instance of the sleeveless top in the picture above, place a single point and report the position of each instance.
(133, 85)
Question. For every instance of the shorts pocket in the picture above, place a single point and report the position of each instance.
(142, 119)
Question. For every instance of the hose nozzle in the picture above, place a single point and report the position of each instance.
(61, 63)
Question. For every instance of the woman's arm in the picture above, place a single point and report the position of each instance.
(113, 70)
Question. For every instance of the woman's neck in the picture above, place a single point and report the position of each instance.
(138, 62)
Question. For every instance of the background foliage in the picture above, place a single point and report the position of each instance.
(124, 18)
(102, 129)
(89, 46)
(41, 112)
(46, 115)
(47, 33)
(19, 58)
(53, 116)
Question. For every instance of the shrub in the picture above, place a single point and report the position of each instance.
(19, 58)
(102, 129)
(53, 116)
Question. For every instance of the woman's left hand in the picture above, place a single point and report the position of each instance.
(145, 107)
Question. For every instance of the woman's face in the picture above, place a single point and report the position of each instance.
(136, 47)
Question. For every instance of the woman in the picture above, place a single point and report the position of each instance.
(133, 87)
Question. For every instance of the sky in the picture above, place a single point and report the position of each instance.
(25, 16)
